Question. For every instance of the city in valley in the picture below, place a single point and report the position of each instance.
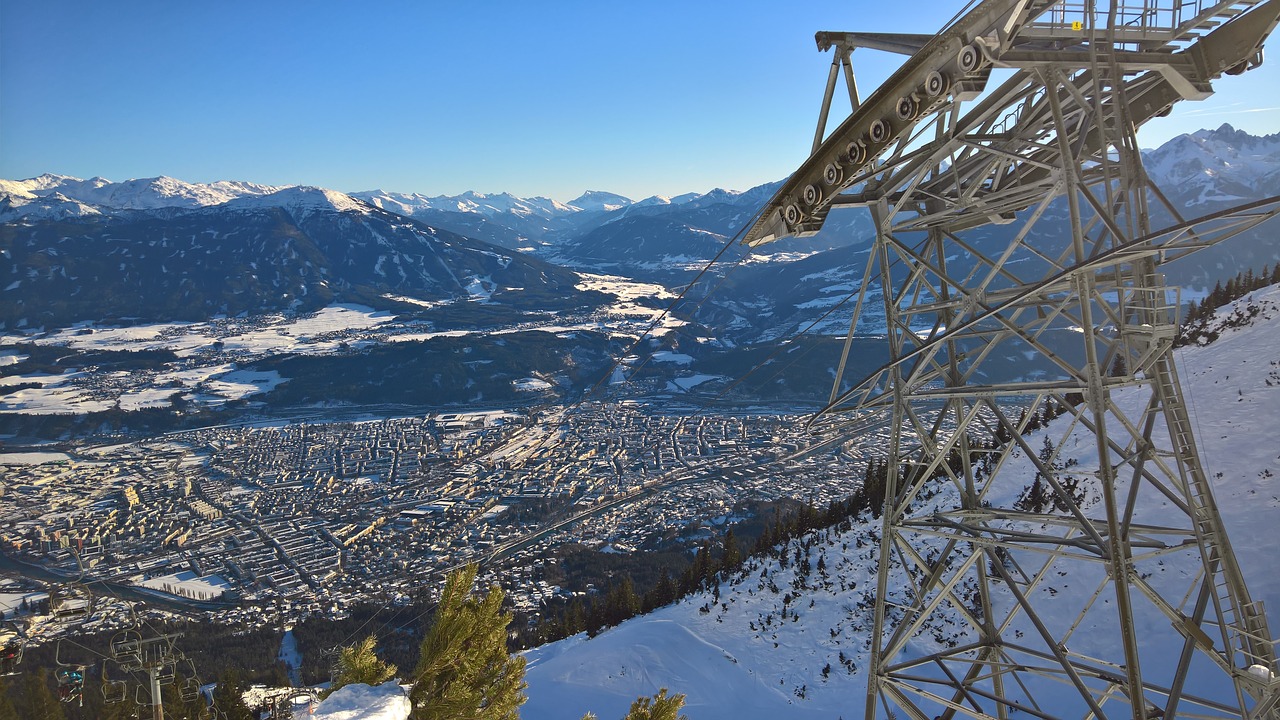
(268, 523)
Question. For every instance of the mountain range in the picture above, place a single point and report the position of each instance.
(160, 250)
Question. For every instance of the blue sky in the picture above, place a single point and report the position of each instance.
(534, 98)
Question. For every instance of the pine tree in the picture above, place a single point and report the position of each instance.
(228, 697)
(464, 671)
(658, 707)
(358, 664)
(39, 702)
(664, 593)
(732, 554)
(7, 711)
(622, 602)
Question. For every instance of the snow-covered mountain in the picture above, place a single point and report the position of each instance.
(1217, 166)
(137, 194)
(599, 201)
(469, 202)
(789, 639)
(666, 240)
(295, 249)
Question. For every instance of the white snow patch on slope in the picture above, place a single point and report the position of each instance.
(387, 701)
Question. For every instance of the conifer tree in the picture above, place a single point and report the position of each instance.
(732, 554)
(658, 707)
(7, 711)
(39, 702)
(359, 664)
(228, 697)
(464, 671)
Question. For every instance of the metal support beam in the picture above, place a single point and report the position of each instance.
(976, 507)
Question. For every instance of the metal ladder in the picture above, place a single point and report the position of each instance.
(1244, 622)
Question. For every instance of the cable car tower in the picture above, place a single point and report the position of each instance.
(1017, 120)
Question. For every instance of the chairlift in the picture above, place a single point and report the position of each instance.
(126, 646)
(297, 700)
(12, 642)
(69, 674)
(70, 601)
(113, 691)
(334, 656)
(167, 673)
(71, 684)
(189, 690)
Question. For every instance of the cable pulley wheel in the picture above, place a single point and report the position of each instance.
(856, 152)
(812, 195)
(906, 108)
(935, 84)
(879, 131)
(969, 59)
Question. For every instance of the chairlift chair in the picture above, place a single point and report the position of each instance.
(189, 690)
(71, 684)
(126, 646)
(12, 642)
(70, 601)
(167, 673)
(113, 691)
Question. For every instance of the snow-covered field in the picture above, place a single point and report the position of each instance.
(316, 333)
(188, 584)
(208, 352)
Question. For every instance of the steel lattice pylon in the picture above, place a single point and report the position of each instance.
(1114, 511)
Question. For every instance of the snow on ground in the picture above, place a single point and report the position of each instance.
(290, 656)
(415, 301)
(55, 394)
(188, 584)
(684, 384)
(315, 333)
(629, 292)
(672, 357)
(758, 654)
(243, 383)
(32, 458)
(387, 701)
(11, 601)
(139, 398)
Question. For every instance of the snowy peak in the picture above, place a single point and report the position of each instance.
(28, 207)
(468, 202)
(1227, 134)
(600, 201)
(135, 194)
(1223, 164)
(652, 200)
(300, 201)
